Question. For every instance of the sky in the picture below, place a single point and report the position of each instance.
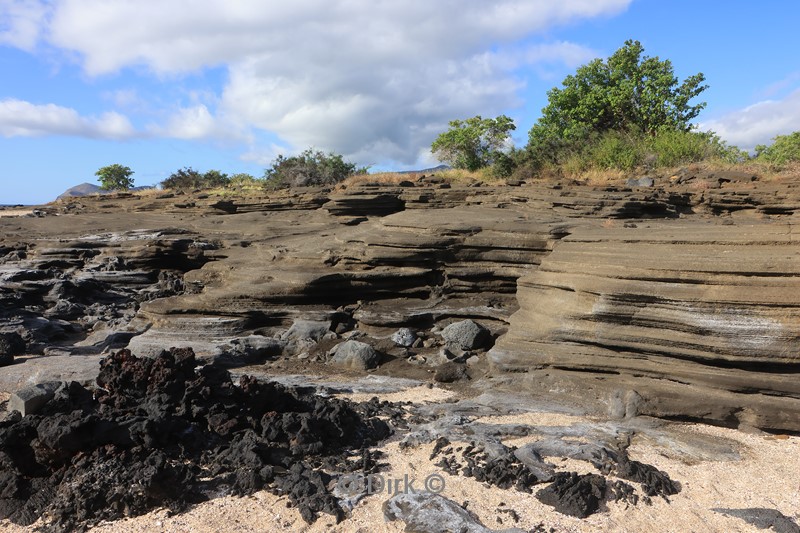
(159, 85)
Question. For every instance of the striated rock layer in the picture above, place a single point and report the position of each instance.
(691, 319)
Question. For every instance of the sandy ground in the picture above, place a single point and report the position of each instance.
(15, 212)
(765, 476)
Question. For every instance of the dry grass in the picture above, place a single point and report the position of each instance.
(600, 177)
(393, 178)
(380, 178)
(148, 193)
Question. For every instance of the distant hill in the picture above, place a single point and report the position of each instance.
(425, 170)
(85, 189)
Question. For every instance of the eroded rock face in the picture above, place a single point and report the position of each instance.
(649, 288)
(700, 320)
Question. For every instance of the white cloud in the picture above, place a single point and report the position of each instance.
(21, 22)
(190, 123)
(19, 118)
(372, 80)
(197, 122)
(185, 35)
(758, 123)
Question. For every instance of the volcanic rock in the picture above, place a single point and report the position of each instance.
(573, 494)
(355, 355)
(433, 513)
(451, 372)
(161, 432)
(11, 344)
(31, 399)
(404, 337)
(466, 335)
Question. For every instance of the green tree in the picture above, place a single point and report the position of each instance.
(115, 177)
(310, 167)
(630, 93)
(474, 143)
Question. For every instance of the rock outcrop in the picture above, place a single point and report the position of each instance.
(701, 320)
(676, 299)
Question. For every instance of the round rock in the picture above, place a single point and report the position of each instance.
(355, 355)
(467, 335)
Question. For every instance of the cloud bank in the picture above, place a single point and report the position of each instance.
(19, 118)
(372, 80)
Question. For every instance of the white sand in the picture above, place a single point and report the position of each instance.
(766, 476)
(15, 212)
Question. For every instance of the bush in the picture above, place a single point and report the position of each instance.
(188, 178)
(215, 178)
(628, 151)
(243, 181)
(115, 177)
(615, 150)
(785, 149)
(672, 148)
(310, 168)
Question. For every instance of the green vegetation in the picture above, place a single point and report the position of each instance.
(190, 179)
(476, 143)
(622, 113)
(615, 150)
(115, 177)
(311, 167)
(243, 181)
(784, 149)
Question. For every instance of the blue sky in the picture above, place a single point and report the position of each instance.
(162, 84)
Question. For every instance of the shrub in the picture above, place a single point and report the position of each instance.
(188, 178)
(615, 150)
(672, 147)
(309, 168)
(785, 149)
(215, 178)
(243, 181)
(183, 179)
(628, 151)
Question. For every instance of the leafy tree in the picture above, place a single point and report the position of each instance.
(310, 167)
(474, 143)
(784, 149)
(630, 93)
(115, 177)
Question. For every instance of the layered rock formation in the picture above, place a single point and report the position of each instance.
(701, 320)
(676, 300)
